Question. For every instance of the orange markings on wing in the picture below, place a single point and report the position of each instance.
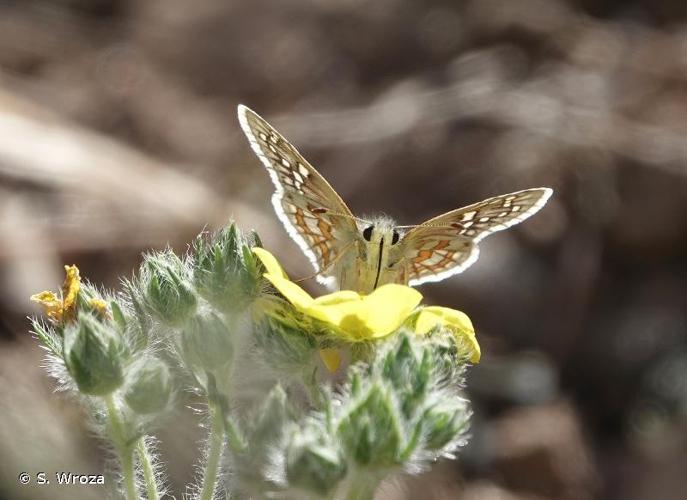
(300, 219)
(428, 253)
(447, 258)
(325, 228)
(324, 252)
(422, 256)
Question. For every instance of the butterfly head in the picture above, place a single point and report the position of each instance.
(380, 231)
(378, 253)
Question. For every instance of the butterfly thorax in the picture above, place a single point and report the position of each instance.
(374, 259)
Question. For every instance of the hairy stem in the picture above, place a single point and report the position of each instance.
(125, 450)
(234, 437)
(360, 487)
(148, 474)
(214, 454)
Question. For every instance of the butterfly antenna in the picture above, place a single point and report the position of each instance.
(319, 210)
(329, 266)
(455, 225)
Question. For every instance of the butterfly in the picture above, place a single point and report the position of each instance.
(358, 254)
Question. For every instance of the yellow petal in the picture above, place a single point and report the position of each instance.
(360, 317)
(270, 262)
(388, 306)
(100, 307)
(456, 321)
(46, 297)
(333, 307)
(293, 293)
(70, 291)
(344, 310)
(431, 315)
(51, 304)
(331, 359)
(332, 299)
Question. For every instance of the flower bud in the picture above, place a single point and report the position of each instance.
(444, 425)
(92, 353)
(167, 296)
(207, 342)
(269, 424)
(313, 465)
(282, 339)
(150, 386)
(371, 432)
(226, 273)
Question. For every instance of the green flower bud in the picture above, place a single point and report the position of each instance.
(118, 316)
(444, 425)
(371, 431)
(313, 465)
(149, 387)
(407, 374)
(226, 273)
(283, 340)
(207, 342)
(259, 464)
(167, 295)
(93, 354)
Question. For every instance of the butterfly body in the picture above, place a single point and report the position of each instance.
(360, 254)
(375, 258)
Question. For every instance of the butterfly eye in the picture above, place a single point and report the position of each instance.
(367, 233)
(395, 237)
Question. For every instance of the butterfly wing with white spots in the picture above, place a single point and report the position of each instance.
(312, 212)
(447, 244)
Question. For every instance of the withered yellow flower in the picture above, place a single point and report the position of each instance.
(70, 291)
(64, 309)
(51, 304)
(100, 307)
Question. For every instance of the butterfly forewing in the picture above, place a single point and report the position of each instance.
(447, 244)
(312, 212)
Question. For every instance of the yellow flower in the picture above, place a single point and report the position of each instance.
(353, 316)
(455, 321)
(61, 309)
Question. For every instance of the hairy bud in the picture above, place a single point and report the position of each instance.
(93, 354)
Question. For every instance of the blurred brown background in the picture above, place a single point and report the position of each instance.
(118, 134)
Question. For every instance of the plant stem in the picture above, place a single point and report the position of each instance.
(148, 474)
(214, 454)
(126, 452)
(234, 437)
(361, 487)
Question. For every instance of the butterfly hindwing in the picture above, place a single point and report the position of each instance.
(447, 244)
(312, 212)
